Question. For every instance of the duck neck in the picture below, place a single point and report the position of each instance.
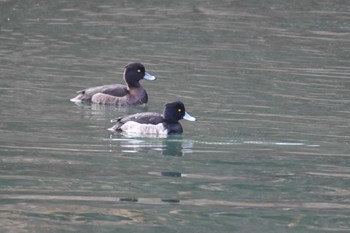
(134, 85)
(138, 94)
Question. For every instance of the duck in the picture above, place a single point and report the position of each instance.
(117, 94)
(152, 123)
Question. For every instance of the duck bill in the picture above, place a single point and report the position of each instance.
(149, 77)
(189, 117)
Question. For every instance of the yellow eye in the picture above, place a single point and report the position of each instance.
(179, 110)
(138, 71)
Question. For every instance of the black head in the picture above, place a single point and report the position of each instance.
(134, 72)
(175, 111)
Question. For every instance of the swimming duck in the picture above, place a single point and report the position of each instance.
(131, 94)
(154, 123)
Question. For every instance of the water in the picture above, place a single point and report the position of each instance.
(267, 80)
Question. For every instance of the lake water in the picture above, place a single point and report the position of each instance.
(269, 82)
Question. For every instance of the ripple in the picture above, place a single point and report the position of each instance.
(187, 202)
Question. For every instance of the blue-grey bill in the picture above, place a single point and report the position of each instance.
(189, 117)
(149, 77)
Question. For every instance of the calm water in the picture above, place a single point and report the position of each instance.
(268, 81)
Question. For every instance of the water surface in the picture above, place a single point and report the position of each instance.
(268, 82)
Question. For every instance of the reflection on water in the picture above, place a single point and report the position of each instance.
(192, 202)
(175, 145)
(268, 80)
(172, 145)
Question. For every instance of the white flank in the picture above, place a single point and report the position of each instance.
(133, 127)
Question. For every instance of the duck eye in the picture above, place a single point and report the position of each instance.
(179, 110)
(138, 71)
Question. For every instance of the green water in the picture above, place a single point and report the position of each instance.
(268, 82)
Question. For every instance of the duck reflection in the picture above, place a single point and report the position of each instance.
(176, 147)
(172, 145)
